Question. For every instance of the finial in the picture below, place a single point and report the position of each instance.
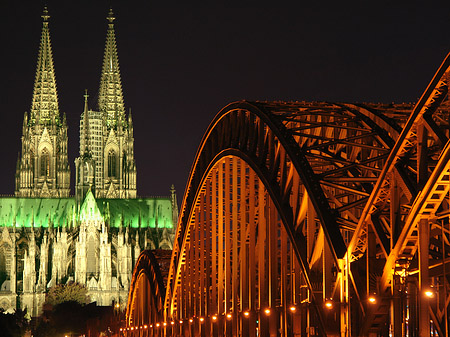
(86, 95)
(110, 16)
(45, 15)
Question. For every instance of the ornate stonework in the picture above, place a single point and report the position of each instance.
(43, 167)
(94, 238)
(106, 163)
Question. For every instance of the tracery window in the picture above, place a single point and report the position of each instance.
(111, 164)
(45, 163)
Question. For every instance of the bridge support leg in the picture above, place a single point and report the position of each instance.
(424, 316)
(344, 314)
(396, 307)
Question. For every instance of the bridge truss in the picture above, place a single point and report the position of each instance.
(312, 218)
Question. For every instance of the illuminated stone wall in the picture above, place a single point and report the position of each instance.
(44, 242)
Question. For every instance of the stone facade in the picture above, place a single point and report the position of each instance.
(48, 237)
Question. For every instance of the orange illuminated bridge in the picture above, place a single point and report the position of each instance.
(309, 219)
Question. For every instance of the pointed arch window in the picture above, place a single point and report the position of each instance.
(45, 163)
(111, 164)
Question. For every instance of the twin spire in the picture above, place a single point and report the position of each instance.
(44, 105)
(110, 97)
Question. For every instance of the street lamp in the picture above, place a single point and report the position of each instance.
(329, 304)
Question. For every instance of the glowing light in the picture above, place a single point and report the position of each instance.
(329, 304)
(190, 320)
(132, 328)
(267, 311)
(172, 323)
(117, 305)
(428, 293)
(246, 313)
(141, 327)
(201, 319)
(372, 300)
(151, 325)
(214, 318)
(121, 329)
(145, 326)
(229, 316)
(157, 325)
(181, 321)
(292, 308)
(165, 324)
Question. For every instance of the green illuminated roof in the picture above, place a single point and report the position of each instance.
(40, 211)
(143, 212)
(146, 212)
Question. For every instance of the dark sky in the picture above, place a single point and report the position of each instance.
(182, 62)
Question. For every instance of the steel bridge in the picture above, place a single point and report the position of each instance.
(310, 219)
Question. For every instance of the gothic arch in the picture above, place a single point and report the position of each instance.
(111, 164)
(5, 260)
(44, 163)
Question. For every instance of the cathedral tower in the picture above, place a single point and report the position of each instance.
(43, 167)
(108, 134)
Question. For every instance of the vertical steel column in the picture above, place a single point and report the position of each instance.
(207, 256)
(344, 298)
(252, 180)
(244, 251)
(228, 248)
(221, 263)
(235, 229)
(424, 316)
(272, 236)
(203, 274)
(262, 261)
(214, 223)
(286, 300)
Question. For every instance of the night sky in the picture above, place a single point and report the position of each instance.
(182, 62)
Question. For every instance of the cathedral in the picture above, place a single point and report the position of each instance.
(47, 236)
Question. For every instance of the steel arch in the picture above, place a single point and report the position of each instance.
(146, 296)
(357, 203)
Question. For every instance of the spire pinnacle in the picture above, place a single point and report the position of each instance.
(44, 104)
(110, 16)
(86, 96)
(85, 151)
(45, 14)
(110, 97)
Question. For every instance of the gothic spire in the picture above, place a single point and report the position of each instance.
(44, 105)
(85, 151)
(110, 97)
